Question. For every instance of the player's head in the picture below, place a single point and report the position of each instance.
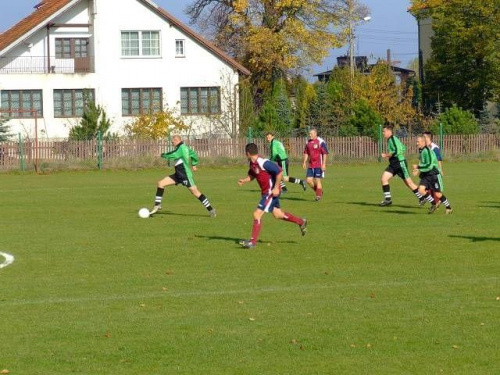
(387, 130)
(251, 149)
(269, 136)
(428, 136)
(176, 139)
(313, 133)
(421, 142)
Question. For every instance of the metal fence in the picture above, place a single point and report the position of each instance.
(29, 154)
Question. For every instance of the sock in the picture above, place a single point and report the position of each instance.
(257, 226)
(294, 180)
(387, 192)
(293, 219)
(427, 197)
(205, 202)
(419, 196)
(445, 202)
(159, 196)
(319, 192)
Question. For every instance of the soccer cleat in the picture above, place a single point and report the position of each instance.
(155, 210)
(284, 190)
(304, 185)
(318, 198)
(247, 244)
(303, 227)
(385, 202)
(432, 209)
(213, 213)
(421, 202)
(449, 211)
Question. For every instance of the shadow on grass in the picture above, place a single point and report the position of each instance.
(416, 207)
(476, 238)
(491, 205)
(237, 240)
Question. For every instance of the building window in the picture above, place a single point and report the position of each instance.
(141, 101)
(200, 100)
(71, 102)
(179, 48)
(70, 48)
(21, 103)
(140, 43)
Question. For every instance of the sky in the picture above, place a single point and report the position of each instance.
(391, 27)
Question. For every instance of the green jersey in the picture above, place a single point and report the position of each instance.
(396, 148)
(183, 158)
(428, 162)
(278, 152)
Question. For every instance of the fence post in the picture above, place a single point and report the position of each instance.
(21, 154)
(99, 150)
(441, 138)
(380, 143)
(250, 135)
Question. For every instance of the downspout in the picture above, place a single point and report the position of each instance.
(48, 48)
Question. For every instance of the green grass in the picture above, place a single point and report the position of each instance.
(96, 290)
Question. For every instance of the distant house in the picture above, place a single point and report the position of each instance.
(361, 63)
(130, 56)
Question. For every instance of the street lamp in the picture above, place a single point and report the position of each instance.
(351, 40)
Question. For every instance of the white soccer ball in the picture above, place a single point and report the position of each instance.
(143, 213)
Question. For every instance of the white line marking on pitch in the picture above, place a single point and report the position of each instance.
(9, 259)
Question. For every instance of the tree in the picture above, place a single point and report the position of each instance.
(456, 121)
(464, 67)
(155, 125)
(4, 129)
(364, 120)
(272, 37)
(94, 120)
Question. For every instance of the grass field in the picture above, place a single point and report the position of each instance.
(96, 290)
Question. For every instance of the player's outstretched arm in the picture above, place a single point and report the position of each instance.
(243, 181)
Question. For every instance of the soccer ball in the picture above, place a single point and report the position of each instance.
(143, 213)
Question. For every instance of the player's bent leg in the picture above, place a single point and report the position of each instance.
(204, 200)
(287, 216)
(160, 190)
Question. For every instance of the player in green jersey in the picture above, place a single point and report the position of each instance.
(397, 166)
(430, 177)
(279, 156)
(184, 158)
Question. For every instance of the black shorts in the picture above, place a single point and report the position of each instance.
(284, 166)
(398, 168)
(431, 182)
(181, 177)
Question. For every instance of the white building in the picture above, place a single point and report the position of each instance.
(131, 56)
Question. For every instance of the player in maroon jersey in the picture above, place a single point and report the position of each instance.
(315, 153)
(268, 175)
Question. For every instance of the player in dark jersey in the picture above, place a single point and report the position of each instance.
(434, 147)
(279, 155)
(183, 158)
(315, 154)
(397, 166)
(430, 178)
(268, 175)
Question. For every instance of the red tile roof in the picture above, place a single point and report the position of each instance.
(47, 8)
(43, 11)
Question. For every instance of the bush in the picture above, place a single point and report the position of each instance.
(456, 121)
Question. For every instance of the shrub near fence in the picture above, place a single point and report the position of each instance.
(61, 154)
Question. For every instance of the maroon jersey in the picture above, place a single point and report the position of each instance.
(315, 150)
(265, 172)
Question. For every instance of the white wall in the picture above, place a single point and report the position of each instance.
(198, 68)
